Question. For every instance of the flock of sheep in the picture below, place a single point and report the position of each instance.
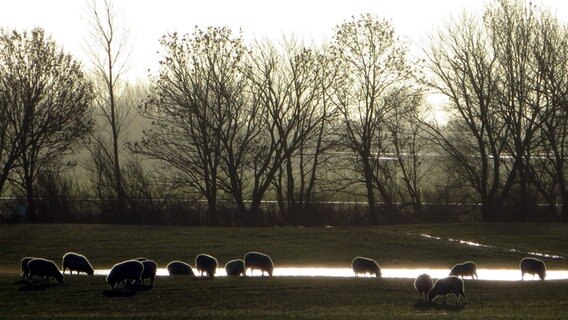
(135, 271)
(452, 284)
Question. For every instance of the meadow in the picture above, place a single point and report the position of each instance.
(281, 297)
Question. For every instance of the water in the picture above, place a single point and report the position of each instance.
(405, 273)
(476, 244)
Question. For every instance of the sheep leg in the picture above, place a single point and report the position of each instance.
(444, 299)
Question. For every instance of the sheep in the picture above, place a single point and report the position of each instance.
(206, 263)
(445, 286)
(125, 272)
(235, 267)
(77, 262)
(260, 261)
(468, 268)
(44, 268)
(423, 283)
(179, 268)
(532, 266)
(150, 268)
(25, 269)
(366, 265)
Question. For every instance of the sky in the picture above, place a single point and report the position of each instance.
(312, 20)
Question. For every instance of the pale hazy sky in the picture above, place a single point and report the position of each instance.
(314, 20)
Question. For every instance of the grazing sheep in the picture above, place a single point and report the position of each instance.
(150, 268)
(423, 283)
(44, 268)
(179, 268)
(77, 262)
(468, 268)
(532, 266)
(366, 265)
(260, 261)
(125, 272)
(206, 263)
(235, 267)
(25, 269)
(445, 286)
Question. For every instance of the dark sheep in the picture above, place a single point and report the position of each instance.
(260, 261)
(125, 272)
(150, 268)
(206, 263)
(468, 268)
(423, 284)
(179, 268)
(77, 262)
(532, 266)
(235, 267)
(25, 269)
(366, 265)
(39, 267)
(445, 286)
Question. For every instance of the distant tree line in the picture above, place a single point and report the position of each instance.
(225, 125)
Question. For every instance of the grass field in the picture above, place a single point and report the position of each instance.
(281, 297)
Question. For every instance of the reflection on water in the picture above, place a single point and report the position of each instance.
(475, 244)
(410, 273)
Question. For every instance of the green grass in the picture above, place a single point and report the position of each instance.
(280, 298)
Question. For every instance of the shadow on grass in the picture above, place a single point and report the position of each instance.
(425, 306)
(37, 286)
(119, 293)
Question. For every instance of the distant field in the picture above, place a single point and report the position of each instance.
(285, 297)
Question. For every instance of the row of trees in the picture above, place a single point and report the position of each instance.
(235, 124)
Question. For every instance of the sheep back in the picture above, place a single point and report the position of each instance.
(77, 262)
(260, 261)
(235, 267)
(423, 284)
(126, 271)
(366, 265)
(179, 268)
(468, 268)
(445, 286)
(206, 263)
(25, 269)
(44, 268)
(533, 266)
(150, 269)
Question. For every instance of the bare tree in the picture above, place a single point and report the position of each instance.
(309, 73)
(551, 56)
(46, 99)
(108, 49)
(371, 90)
(195, 96)
(487, 69)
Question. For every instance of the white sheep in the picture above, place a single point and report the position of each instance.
(423, 284)
(39, 267)
(25, 269)
(125, 272)
(235, 267)
(150, 268)
(206, 263)
(77, 262)
(260, 261)
(366, 265)
(532, 266)
(468, 268)
(179, 268)
(445, 286)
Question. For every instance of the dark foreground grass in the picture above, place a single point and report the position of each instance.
(82, 297)
(278, 298)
